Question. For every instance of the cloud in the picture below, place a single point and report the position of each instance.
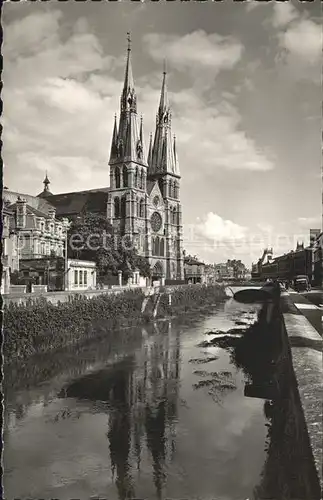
(283, 14)
(214, 227)
(300, 40)
(195, 51)
(61, 90)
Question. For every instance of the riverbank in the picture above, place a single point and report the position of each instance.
(41, 327)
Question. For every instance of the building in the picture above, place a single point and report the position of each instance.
(81, 275)
(143, 199)
(9, 254)
(284, 267)
(39, 233)
(316, 244)
(194, 270)
(33, 244)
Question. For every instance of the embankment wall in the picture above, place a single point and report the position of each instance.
(39, 326)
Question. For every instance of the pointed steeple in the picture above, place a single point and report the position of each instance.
(128, 96)
(128, 138)
(163, 155)
(46, 192)
(114, 142)
(46, 182)
(163, 103)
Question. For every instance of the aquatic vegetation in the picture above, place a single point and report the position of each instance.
(203, 360)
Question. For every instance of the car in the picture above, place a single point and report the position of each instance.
(301, 284)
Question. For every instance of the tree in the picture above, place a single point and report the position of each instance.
(92, 237)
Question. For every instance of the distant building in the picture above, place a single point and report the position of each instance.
(316, 244)
(285, 267)
(194, 270)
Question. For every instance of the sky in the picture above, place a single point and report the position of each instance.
(244, 82)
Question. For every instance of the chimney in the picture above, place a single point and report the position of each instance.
(21, 213)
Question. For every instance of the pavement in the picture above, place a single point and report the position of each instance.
(310, 305)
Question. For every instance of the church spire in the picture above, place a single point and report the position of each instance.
(128, 96)
(163, 103)
(163, 154)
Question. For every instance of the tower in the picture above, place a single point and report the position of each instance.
(127, 205)
(164, 168)
(46, 192)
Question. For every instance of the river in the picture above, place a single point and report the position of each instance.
(151, 415)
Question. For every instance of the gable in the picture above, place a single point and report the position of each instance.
(155, 191)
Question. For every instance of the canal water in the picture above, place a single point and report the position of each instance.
(152, 415)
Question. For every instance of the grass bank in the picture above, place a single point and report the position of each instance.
(40, 327)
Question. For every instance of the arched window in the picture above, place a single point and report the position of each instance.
(117, 177)
(116, 207)
(153, 246)
(162, 247)
(137, 177)
(141, 208)
(173, 270)
(142, 180)
(174, 216)
(157, 244)
(176, 190)
(170, 189)
(125, 176)
(123, 207)
(137, 207)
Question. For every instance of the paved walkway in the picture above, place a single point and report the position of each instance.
(310, 305)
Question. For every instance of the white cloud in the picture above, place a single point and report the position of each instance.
(214, 227)
(195, 50)
(283, 14)
(300, 39)
(304, 39)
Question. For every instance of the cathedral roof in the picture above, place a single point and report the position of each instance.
(72, 204)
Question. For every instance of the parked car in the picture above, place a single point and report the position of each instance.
(302, 284)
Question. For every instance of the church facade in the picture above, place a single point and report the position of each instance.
(144, 196)
(143, 199)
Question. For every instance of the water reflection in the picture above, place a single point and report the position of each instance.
(120, 427)
(142, 395)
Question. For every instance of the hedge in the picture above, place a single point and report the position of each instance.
(39, 327)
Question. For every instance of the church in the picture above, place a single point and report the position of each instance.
(143, 199)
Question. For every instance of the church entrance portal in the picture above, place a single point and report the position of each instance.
(157, 272)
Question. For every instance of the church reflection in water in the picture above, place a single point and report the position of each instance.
(140, 394)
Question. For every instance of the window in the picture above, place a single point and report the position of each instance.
(116, 207)
(125, 176)
(176, 190)
(123, 207)
(117, 177)
(85, 277)
(81, 278)
(162, 247)
(142, 180)
(141, 208)
(75, 277)
(170, 189)
(137, 177)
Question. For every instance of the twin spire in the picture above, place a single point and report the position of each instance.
(128, 138)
